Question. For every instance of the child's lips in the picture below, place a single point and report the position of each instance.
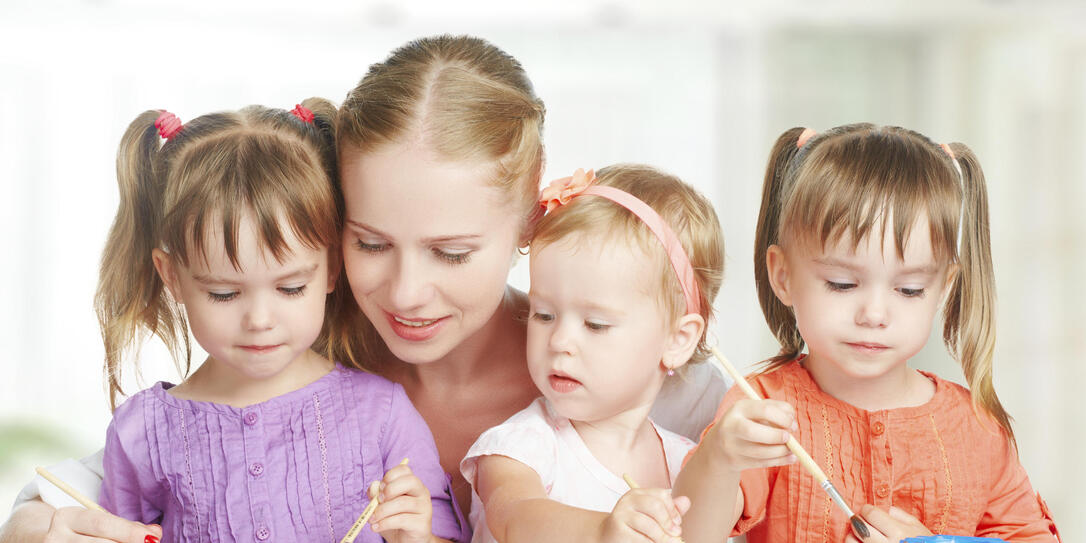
(563, 384)
(260, 349)
(867, 346)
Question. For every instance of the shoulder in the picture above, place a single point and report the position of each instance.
(134, 410)
(529, 436)
(369, 392)
(953, 407)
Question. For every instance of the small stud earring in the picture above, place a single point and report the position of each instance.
(670, 372)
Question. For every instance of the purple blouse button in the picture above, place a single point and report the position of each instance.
(250, 418)
(263, 534)
(256, 468)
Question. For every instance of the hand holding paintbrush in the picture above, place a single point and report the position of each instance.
(805, 459)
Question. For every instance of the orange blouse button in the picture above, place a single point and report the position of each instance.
(882, 491)
(878, 428)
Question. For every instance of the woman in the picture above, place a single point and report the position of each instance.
(440, 158)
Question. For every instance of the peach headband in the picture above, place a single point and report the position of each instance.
(561, 191)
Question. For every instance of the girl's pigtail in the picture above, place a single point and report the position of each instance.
(130, 297)
(779, 317)
(969, 326)
(346, 333)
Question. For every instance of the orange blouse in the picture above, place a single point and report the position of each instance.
(935, 461)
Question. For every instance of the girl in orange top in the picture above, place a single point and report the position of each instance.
(864, 232)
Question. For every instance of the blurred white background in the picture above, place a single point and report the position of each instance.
(701, 89)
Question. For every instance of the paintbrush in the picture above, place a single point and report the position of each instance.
(356, 528)
(83, 500)
(804, 459)
(632, 484)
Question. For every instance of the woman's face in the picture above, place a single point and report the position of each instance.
(427, 246)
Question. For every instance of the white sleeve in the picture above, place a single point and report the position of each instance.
(85, 475)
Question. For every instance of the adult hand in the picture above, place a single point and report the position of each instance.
(889, 526)
(80, 525)
(645, 514)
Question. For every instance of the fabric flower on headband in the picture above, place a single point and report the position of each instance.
(560, 191)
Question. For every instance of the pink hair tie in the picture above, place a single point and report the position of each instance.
(561, 191)
(168, 125)
(303, 113)
(804, 136)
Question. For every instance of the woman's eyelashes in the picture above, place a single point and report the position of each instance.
(450, 256)
(370, 247)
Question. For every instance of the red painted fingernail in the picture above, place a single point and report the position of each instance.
(150, 539)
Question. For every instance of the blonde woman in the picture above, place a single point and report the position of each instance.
(440, 155)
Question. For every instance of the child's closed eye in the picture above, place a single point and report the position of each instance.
(542, 317)
(222, 296)
(596, 326)
(911, 292)
(839, 286)
(293, 291)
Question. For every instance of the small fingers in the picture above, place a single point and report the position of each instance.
(657, 505)
(403, 486)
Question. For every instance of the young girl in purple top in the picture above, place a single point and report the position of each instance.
(229, 226)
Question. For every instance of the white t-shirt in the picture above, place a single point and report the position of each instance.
(547, 442)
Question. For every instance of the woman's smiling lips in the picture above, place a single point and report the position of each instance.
(414, 329)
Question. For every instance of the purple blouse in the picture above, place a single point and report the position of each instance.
(293, 468)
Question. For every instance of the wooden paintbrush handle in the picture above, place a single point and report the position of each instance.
(805, 459)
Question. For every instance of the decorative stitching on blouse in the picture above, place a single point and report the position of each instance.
(324, 466)
(829, 468)
(949, 482)
(188, 467)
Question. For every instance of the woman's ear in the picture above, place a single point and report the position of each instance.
(167, 271)
(776, 263)
(683, 341)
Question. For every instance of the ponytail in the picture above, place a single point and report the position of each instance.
(969, 326)
(779, 317)
(129, 296)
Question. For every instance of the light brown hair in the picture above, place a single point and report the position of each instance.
(689, 214)
(468, 101)
(841, 183)
(221, 166)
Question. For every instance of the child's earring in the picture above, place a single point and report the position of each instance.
(670, 372)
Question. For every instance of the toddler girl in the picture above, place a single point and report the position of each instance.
(864, 232)
(616, 305)
(231, 228)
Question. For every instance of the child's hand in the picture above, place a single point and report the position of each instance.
(645, 514)
(888, 527)
(405, 511)
(752, 434)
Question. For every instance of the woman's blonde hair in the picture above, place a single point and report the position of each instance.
(262, 162)
(468, 101)
(841, 183)
(689, 214)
